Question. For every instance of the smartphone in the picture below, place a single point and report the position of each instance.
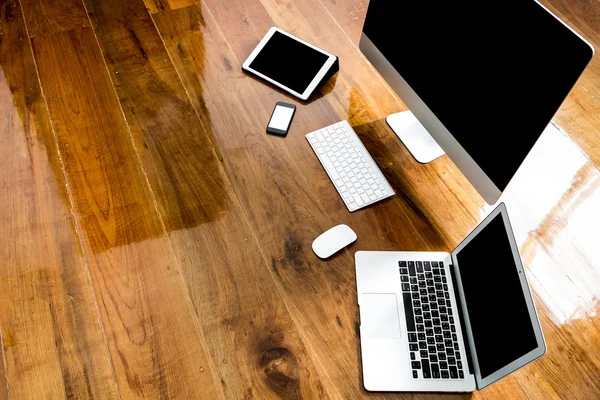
(281, 118)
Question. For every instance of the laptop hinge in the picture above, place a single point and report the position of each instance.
(462, 319)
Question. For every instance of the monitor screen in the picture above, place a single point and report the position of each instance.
(493, 73)
(289, 62)
(499, 317)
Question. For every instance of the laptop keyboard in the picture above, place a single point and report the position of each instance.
(433, 342)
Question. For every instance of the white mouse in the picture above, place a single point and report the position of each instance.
(333, 240)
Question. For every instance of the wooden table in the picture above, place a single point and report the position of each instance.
(156, 243)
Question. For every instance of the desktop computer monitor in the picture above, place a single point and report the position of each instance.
(481, 80)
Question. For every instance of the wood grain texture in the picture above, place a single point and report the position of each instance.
(52, 340)
(255, 345)
(155, 340)
(196, 227)
(211, 79)
(266, 190)
(3, 374)
(155, 6)
(48, 16)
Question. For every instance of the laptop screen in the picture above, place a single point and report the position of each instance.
(500, 321)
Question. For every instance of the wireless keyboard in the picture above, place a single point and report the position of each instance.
(350, 167)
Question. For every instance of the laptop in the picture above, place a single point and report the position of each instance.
(439, 322)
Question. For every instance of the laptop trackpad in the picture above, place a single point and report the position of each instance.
(379, 316)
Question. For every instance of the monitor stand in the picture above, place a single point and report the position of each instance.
(415, 137)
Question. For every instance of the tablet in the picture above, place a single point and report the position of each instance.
(289, 63)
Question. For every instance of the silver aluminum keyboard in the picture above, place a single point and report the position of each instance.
(350, 167)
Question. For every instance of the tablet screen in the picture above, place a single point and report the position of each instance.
(289, 62)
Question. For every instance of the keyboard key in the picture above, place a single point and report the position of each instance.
(411, 268)
(412, 355)
(445, 374)
(416, 365)
(453, 372)
(426, 370)
(413, 347)
(412, 337)
(419, 267)
(415, 374)
(435, 371)
(408, 311)
(358, 199)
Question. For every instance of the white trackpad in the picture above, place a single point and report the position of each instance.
(379, 316)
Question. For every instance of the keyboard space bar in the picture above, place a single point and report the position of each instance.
(329, 167)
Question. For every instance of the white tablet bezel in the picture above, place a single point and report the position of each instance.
(534, 354)
(316, 79)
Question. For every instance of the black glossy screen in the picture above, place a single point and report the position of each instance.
(499, 318)
(494, 73)
(289, 62)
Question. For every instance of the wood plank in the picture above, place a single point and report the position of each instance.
(48, 16)
(155, 6)
(52, 341)
(3, 373)
(145, 309)
(188, 36)
(266, 191)
(203, 79)
(349, 15)
(255, 344)
(271, 319)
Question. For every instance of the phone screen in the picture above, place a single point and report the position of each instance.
(281, 118)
